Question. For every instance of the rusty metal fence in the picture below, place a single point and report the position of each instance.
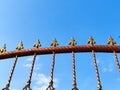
(55, 49)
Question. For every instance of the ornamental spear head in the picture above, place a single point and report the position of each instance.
(72, 42)
(20, 46)
(54, 43)
(91, 41)
(99, 87)
(111, 41)
(3, 48)
(37, 44)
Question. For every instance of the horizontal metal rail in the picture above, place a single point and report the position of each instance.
(60, 49)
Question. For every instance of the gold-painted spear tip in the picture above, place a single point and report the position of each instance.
(91, 41)
(111, 41)
(3, 48)
(72, 42)
(37, 44)
(54, 43)
(20, 46)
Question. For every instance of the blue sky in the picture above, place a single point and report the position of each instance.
(28, 20)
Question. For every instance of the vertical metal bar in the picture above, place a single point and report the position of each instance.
(27, 86)
(74, 72)
(97, 72)
(50, 86)
(11, 74)
(117, 62)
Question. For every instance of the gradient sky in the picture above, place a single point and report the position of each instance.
(29, 20)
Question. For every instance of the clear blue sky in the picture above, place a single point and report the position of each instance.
(29, 20)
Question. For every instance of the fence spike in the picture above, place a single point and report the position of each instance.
(20, 46)
(72, 42)
(3, 48)
(91, 41)
(111, 41)
(50, 86)
(37, 44)
(54, 43)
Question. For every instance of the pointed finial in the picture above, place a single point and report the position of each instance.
(37, 44)
(72, 42)
(111, 41)
(99, 87)
(54, 43)
(3, 48)
(91, 41)
(20, 46)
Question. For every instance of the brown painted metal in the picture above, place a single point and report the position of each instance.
(50, 86)
(97, 71)
(117, 62)
(60, 49)
(27, 86)
(11, 74)
(74, 72)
